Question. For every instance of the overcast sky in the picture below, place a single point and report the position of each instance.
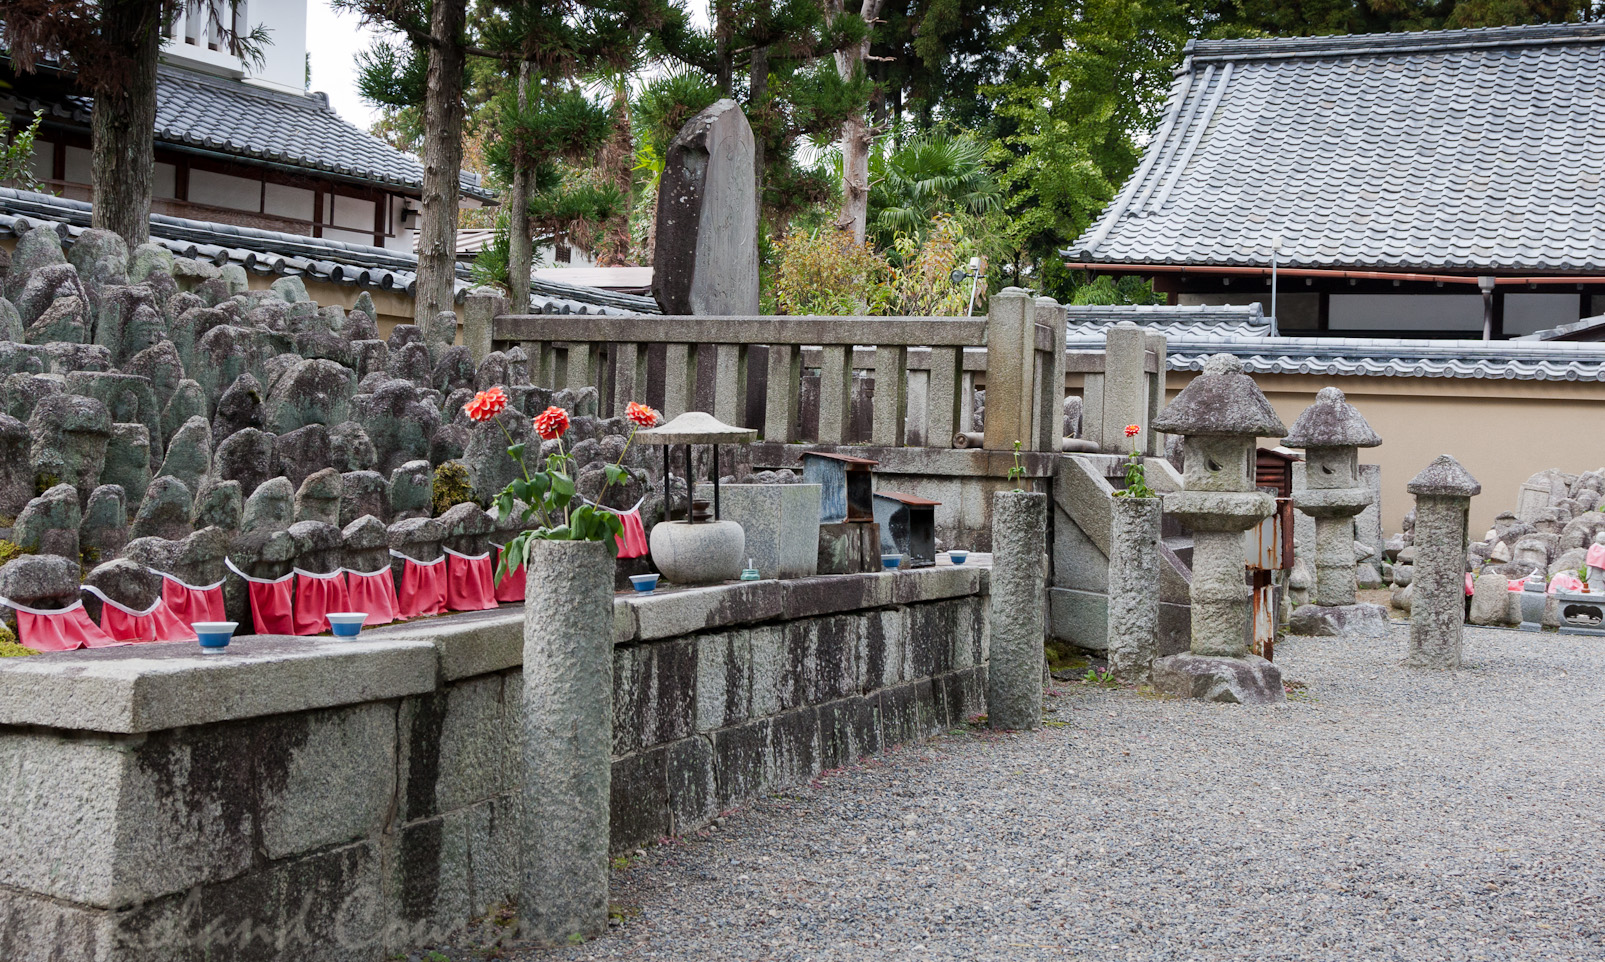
(335, 39)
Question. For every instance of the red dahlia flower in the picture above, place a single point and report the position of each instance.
(486, 404)
(642, 415)
(1131, 430)
(551, 423)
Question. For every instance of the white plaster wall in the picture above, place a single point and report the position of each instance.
(223, 190)
(284, 56)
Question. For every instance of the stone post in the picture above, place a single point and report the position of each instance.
(1019, 593)
(1437, 611)
(1133, 587)
(480, 308)
(568, 735)
(1219, 415)
(1010, 370)
(1331, 432)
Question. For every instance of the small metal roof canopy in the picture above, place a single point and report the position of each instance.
(693, 427)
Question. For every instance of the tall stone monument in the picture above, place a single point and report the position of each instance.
(1219, 415)
(705, 260)
(1332, 431)
(1438, 611)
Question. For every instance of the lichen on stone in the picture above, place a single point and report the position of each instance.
(9, 647)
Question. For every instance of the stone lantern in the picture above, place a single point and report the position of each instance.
(1219, 416)
(1332, 432)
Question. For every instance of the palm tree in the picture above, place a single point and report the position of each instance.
(930, 173)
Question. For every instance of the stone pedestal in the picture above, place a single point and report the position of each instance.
(1019, 594)
(1438, 609)
(779, 523)
(568, 735)
(1133, 587)
(849, 547)
(1335, 620)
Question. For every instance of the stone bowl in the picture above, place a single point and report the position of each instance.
(703, 553)
(346, 624)
(214, 635)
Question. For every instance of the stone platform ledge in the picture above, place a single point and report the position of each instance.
(161, 685)
(1250, 680)
(1335, 620)
(480, 642)
(939, 462)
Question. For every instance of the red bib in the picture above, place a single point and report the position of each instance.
(632, 543)
(271, 611)
(155, 623)
(469, 581)
(511, 587)
(63, 629)
(190, 603)
(423, 587)
(374, 593)
(315, 596)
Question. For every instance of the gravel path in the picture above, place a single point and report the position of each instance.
(1382, 814)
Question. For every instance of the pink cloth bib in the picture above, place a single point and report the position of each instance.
(375, 593)
(191, 603)
(271, 608)
(423, 586)
(63, 629)
(315, 596)
(469, 584)
(511, 587)
(155, 623)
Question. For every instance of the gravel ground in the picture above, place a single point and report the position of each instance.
(1382, 814)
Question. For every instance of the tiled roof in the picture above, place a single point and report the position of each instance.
(1386, 357)
(1467, 150)
(271, 252)
(197, 111)
(1221, 322)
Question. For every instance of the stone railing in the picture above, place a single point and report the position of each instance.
(749, 370)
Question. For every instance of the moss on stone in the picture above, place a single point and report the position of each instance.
(10, 550)
(9, 647)
(44, 482)
(451, 487)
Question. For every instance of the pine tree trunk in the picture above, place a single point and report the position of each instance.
(443, 160)
(759, 78)
(123, 124)
(520, 249)
(856, 139)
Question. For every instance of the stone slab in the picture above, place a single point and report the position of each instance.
(1338, 620)
(150, 687)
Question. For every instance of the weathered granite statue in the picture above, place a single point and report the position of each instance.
(1218, 416)
(1331, 432)
(1437, 612)
(706, 254)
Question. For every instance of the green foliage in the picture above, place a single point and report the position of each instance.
(926, 175)
(823, 272)
(451, 487)
(1106, 290)
(10, 647)
(16, 166)
(10, 550)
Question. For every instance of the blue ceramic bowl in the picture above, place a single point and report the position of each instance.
(889, 561)
(644, 582)
(214, 635)
(346, 624)
(958, 557)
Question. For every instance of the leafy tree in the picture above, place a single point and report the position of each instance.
(16, 157)
(930, 174)
(111, 48)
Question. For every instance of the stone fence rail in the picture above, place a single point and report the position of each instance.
(312, 798)
(749, 370)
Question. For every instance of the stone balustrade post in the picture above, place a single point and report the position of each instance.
(480, 308)
(1019, 592)
(1133, 630)
(1010, 370)
(1443, 494)
(568, 735)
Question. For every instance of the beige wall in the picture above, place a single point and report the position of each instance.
(1503, 431)
(394, 307)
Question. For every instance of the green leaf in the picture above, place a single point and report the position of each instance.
(616, 474)
(562, 485)
(516, 452)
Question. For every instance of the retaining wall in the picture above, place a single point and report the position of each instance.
(314, 799)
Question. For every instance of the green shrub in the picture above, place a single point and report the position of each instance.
(451, 487)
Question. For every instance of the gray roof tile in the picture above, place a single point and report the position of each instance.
(1475, 150)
